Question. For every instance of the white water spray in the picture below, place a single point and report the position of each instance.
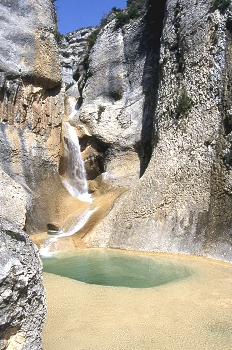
(73, 168)
(74, 179)
(48, 248)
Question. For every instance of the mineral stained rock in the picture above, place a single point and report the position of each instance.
(30, 118)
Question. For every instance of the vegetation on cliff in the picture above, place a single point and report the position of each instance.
(220, 5)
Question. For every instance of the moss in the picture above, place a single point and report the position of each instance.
(184, 103)
(101, 109)
(68, 86)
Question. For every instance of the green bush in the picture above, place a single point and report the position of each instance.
(220, 5)
(115, 9)
(66, 54)
(135, 9)
(68, 86)
(101, 109)
(90, 42)
(58, 37)
(121, 19)
(85, 62)
(92, 38)
(184, 103)
(140, 4)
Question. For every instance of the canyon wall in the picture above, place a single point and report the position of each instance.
(182, 203)
(31, 107)
(22, 295)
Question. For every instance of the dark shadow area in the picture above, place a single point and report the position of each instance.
(95, 155)
(150, 44)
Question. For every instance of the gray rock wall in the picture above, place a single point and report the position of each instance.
(28, 46)
(31, 108)
(182, 204)
(22, 295)
(118, 95)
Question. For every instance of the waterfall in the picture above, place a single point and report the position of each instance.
(73, 175)
(72, 168)
(48, 248)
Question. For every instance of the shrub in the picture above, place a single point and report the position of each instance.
(58, 37)
(90, 42)
(66, 54)
(85, 62)
(135, 9)
(92, 38)
(220, 5)
(140, 4)
(121, 19)
(184, 103)
(101, 109)
(133, 12)
(68, 86)
(115, 9)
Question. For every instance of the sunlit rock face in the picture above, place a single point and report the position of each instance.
(31, 108)
(116, 97)
(30, 118)
(183, 201)
(28, 46)
(22, 301)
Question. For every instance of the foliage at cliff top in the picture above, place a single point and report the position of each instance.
(135, 9)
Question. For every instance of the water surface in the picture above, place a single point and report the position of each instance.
(193, 313)
(112, 268)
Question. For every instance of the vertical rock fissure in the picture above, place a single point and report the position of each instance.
(150, 42)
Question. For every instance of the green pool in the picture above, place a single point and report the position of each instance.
(112, 268)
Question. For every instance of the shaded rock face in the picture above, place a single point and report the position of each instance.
(22, 301)
(182, 204)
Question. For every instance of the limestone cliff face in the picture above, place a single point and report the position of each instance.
(32, 108)
(22, 301)
(28, 47)
(30, 118)
(117, 97)
(183, 201)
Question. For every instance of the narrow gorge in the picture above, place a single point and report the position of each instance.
(115, 136)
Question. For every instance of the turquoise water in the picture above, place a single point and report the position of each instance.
(110, 268)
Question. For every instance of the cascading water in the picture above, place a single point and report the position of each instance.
(73, 175)
(50, 244)
(74, 178)
(72, 166)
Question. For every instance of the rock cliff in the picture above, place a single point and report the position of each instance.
(32, 108)
(182, 203)
(22, 295)
(153, 112)
(30, 120)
